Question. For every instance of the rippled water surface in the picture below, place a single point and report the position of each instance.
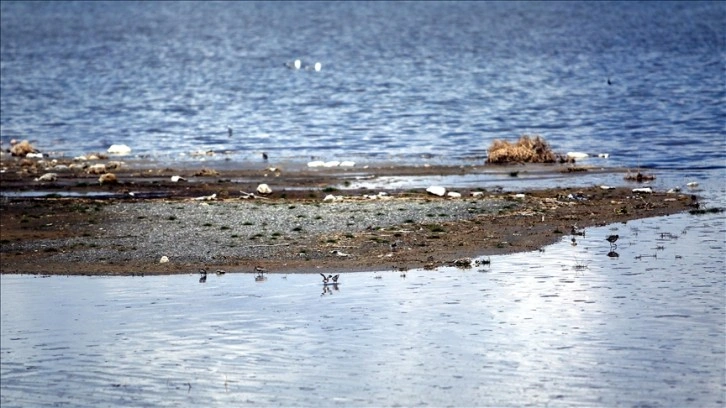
(569, 326)
(641, 325)
(399, 80)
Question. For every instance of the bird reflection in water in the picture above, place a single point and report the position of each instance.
(330, 283)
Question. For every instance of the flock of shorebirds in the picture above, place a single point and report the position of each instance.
(260, 276)
(333, 279)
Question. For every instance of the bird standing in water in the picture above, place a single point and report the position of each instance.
(611, 239)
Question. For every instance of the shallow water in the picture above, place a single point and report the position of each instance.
(567, 326)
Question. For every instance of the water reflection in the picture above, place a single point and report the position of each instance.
(564, 326)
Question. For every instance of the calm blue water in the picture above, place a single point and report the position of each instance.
(398, 80)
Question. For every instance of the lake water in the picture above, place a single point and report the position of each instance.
(408, 83)
(399, 80)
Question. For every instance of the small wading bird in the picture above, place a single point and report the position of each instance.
(330, 279)
(260, 273)
(203, 278)
(611, 239)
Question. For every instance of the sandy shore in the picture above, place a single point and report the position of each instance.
(73, 225)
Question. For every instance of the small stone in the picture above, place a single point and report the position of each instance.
(644, 190)
(436, 190)
(48, 177)
(99, 168)
(108, 178)
(164, 259)
(453, 194)
(264, 189)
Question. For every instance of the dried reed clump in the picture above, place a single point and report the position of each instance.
(528, 149)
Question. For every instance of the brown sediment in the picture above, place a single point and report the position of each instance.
(290, 230)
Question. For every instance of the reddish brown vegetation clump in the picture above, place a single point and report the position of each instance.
(528, 149)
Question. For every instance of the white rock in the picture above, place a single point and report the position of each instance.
(34, 155)
(175, 179)
(674, 190)
(453, 194)
(339, 253)
(436, 190)
(318, 66)
(645, 190)
(164, 259)
(577, 155)
(264, 189)
(48, 177)
(477, 193)
(604, 187)
(316, 163)
(331, 197)
(332, 163)
(119, 149)
(347, 163)
(692, 184)
(520, 195)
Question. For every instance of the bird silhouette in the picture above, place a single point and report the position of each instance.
(611, 239)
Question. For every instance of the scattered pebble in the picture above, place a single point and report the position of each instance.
(264, 189)
(331, 197)
(108, 178)
(99, 168)
(48, 177)
(436, 190)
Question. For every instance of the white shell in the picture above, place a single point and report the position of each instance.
(436, 190)
(264, 189)
(119, 149)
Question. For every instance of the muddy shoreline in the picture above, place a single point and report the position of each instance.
(75, 226)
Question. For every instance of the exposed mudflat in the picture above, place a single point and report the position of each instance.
(74, 225)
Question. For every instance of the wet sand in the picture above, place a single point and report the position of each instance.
(75, 226)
